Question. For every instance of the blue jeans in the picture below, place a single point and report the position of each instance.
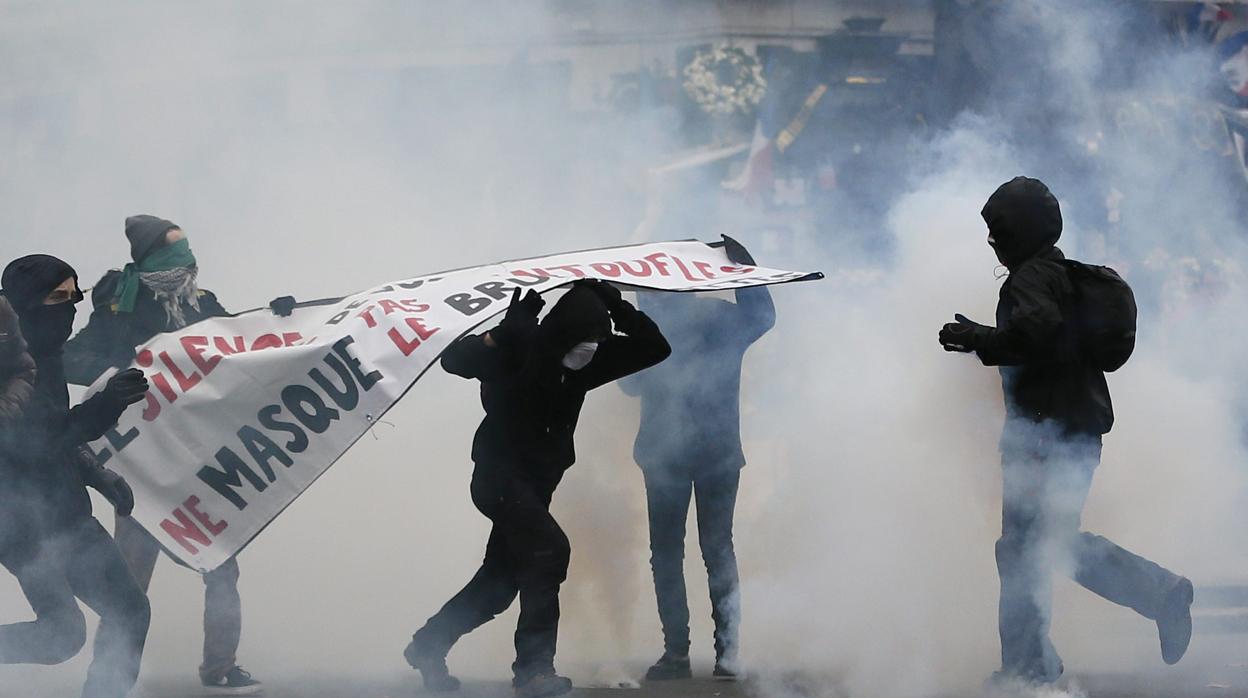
(1046, 478)
(668, 493)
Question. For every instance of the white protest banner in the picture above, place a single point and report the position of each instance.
(245, 412)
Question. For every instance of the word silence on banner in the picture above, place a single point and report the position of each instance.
(246, 412)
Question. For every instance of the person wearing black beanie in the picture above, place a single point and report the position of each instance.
(63, 552)
(534, 377)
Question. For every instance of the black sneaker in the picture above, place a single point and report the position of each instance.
(670, 667)
(544, 685)
(1174, 623)
(432, 667)
(236, 682)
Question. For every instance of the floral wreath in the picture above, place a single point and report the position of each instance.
(725, 80)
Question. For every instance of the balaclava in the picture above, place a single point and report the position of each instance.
(27, 281)
(1023, 219)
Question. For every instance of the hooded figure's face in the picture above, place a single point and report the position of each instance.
(1023, 219)
(43, 290)
(572, 329)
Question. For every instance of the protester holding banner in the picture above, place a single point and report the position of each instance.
(63, 551)
(689, 445)
(159, 292)
(1053, 344)
(534, 377)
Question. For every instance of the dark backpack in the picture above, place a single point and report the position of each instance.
(1104, 314)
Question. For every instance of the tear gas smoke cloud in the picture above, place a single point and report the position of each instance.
(299, 162)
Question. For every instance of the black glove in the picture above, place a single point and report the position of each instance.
(608, 294)
(737, 252)
(961, 335)
(116, 490)
(126, 387)
(282, 306)
(521, 317)
(108, 483)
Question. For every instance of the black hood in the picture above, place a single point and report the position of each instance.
(28, 280)
(146, 234)
(1023, 219)
(578, 316)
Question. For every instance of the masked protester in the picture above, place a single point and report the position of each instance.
(63, 551)
(1057, 409)
(534, 377)
(689, 446)
(159, 292)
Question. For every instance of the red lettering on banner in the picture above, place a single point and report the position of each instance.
(214, 528)
(194, 347)
(290, 339)
(659, 267)
(538, 274)
(684, 270)
(151, 410)
(643, 269)
(184, 532)
(266, 341)
(224, 347)
(422, 333)
(705, 268)
(607, 269)
(185, 382)
(573, 269)
(367, 316)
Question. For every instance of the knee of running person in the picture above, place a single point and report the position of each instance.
(68, 633)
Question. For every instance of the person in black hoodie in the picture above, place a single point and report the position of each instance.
(689, 446)
(159, 292)
(1057, 409)
(534, 377)
(64, 551)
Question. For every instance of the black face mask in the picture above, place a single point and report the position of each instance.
(47, 327)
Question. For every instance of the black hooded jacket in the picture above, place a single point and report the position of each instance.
(47, 469)
(1044, 376)
(532, 403)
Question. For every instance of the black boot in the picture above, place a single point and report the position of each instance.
(1174, 623)
(670, 667)
(432, 667)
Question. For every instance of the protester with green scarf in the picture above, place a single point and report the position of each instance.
(158, 291)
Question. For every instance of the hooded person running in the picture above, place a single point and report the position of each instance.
(534, 377)
(159, 292)
(1057, 408)
(61, 551)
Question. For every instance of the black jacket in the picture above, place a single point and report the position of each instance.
(45, 468)
(531, 401)
(1044, 375)
(690, 403)
(110, 337)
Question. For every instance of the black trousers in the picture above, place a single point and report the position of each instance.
(1046, 482)
(668, 493)
(84, 563)
(527, 555)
